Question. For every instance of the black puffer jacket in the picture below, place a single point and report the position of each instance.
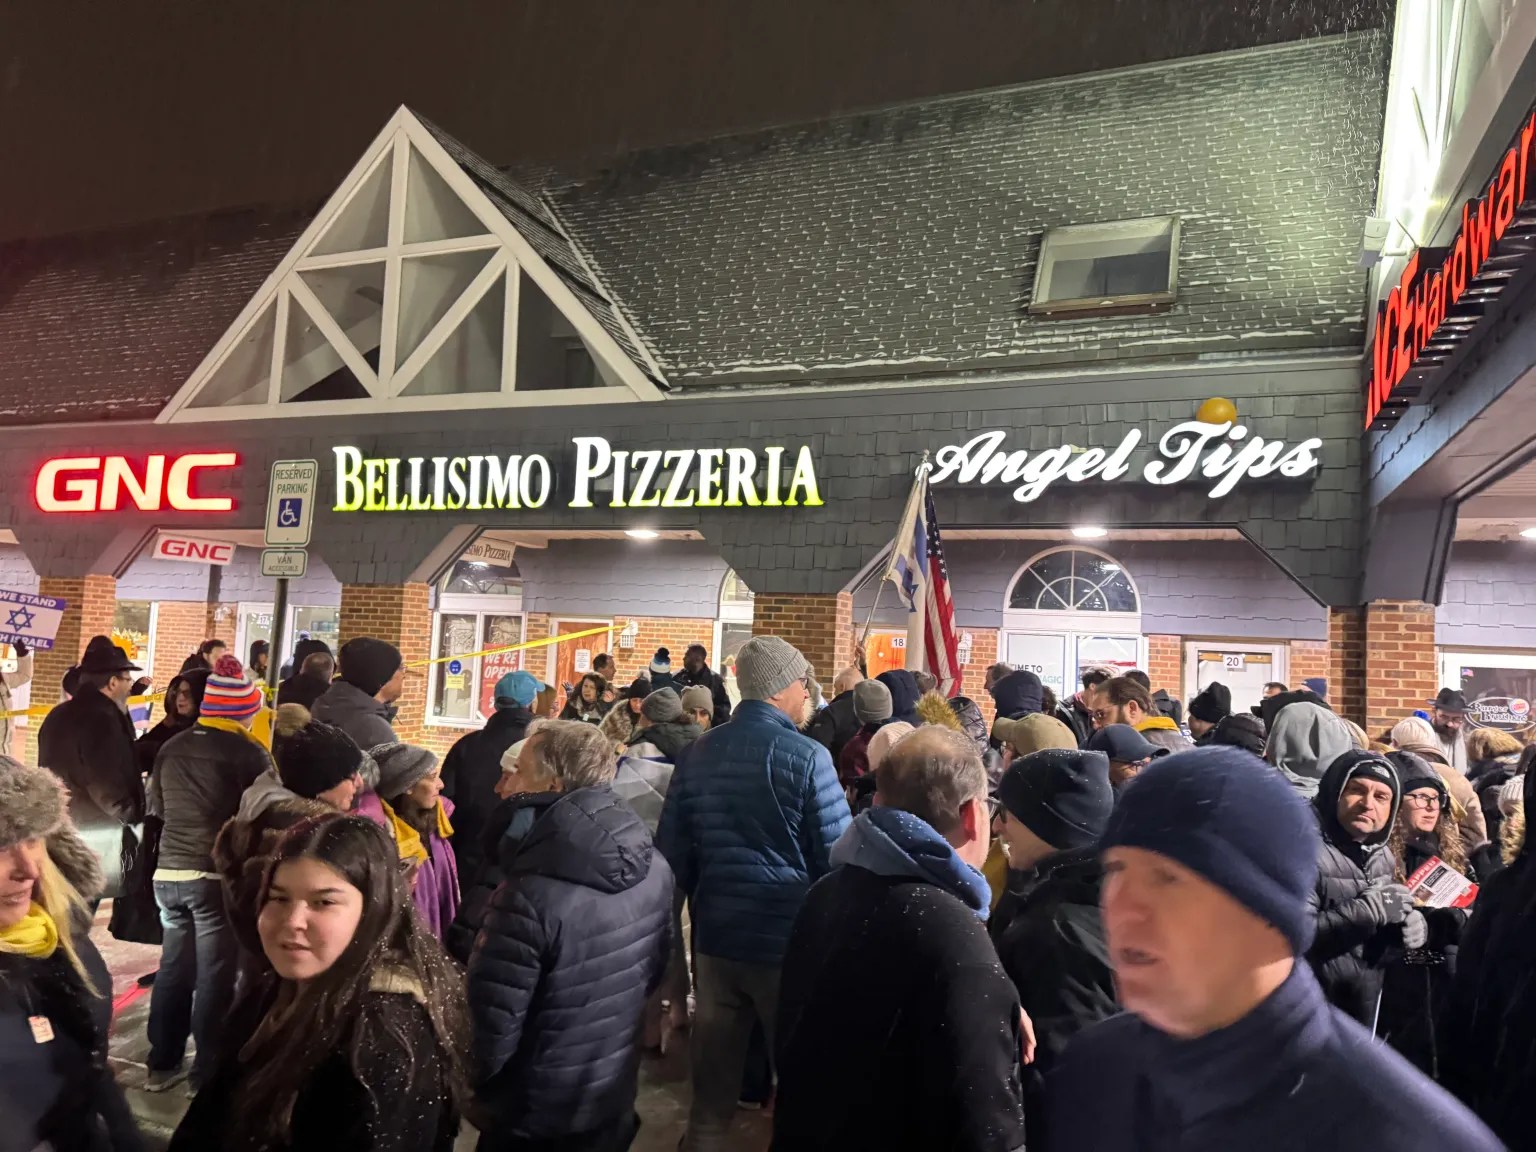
(1351, 943)
(1054, 951)
(576, 940)
(199, 778)
(470, 773)
(1487, 778)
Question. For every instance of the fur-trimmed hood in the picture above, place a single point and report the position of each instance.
(34, 804)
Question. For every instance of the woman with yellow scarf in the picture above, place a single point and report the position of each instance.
(56, 1090)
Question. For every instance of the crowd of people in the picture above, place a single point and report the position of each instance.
(1107, 921)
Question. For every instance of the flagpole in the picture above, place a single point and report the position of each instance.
(923, 468)
(917, 622)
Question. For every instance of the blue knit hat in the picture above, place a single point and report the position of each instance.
(1226, 815)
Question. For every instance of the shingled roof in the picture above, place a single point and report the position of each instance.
(887, 244)
(106, 326)
(905, 240)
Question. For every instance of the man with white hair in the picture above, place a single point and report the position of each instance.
(836, 724)
(576, 939)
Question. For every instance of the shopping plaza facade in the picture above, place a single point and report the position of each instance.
(1146, 327)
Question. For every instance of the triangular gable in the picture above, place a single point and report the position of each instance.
(428, 281)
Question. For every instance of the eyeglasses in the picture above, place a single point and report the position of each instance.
(1424, 802)
(1100, 714)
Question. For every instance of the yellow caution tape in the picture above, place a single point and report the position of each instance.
(561, 639)
(44, 709)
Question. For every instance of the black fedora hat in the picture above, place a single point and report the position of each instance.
(1450, 700)
(102, 657)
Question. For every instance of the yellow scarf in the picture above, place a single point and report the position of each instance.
(34, 935)
(408, 839)
(224, 724)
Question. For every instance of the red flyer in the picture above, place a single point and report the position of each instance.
(1435, 884)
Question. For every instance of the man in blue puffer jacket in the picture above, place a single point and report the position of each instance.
(748, 827)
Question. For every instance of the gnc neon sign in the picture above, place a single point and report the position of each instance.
(108, 483)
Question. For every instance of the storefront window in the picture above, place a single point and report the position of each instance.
(132, 627)
(733, 628)
(464, 682)
(482, 578)
(323, 624)
(1499, 688)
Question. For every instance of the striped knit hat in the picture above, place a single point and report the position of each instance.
(230, 693)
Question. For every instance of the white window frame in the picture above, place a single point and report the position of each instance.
(1111, 238)
(461, 604)
(1452, 660)
(242, 641)
(1058, 620)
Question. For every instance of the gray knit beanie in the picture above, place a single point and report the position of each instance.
(766, 665)
(401, 767)
(871, 702)
(698, 698)
(662, 706)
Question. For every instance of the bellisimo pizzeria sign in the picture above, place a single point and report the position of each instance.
(1224, 454)
(613, 477)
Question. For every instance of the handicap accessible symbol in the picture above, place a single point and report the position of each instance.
(290, 511)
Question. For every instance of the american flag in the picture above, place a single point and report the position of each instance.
(941, 650)
(921, 576)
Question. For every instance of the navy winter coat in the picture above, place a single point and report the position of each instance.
(748, 827)
(904, 695)
(576, 939)
(1294, 1073)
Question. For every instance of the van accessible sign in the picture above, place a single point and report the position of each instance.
(643, 478)
(1224, 453)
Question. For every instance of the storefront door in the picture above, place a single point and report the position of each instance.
(1059, 658)
(571, 659)
(1243, 668)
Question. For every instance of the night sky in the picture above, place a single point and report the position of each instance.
(113, 111)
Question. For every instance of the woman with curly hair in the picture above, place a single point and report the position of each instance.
(356, 1038)
(1417, 984)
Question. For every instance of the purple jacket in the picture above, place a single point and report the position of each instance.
(436, 885)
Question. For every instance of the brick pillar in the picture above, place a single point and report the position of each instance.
(180, 626)
(402, 615)
(1165, 664)
(1309, 658)
(983, 656)
(90, 605)
(221, 622)
(820, 626)
(1346, 662)
(1400, 672)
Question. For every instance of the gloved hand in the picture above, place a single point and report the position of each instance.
(1389, 903)
(1415, 930)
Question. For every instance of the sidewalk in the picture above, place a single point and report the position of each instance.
(662, 1103)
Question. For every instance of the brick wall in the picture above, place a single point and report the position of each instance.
(1309, 658)
(402, 615)
(1346, 662)
(1400, 672)
(1165, 664)
(180, 626)
(673, 633)
(983, 655)
(90, 604)
(820, 626)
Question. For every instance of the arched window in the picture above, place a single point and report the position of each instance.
(1073, 580)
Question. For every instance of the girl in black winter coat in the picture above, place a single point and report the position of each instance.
(1416, 983)
(354, 1042)
(56, 1090)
